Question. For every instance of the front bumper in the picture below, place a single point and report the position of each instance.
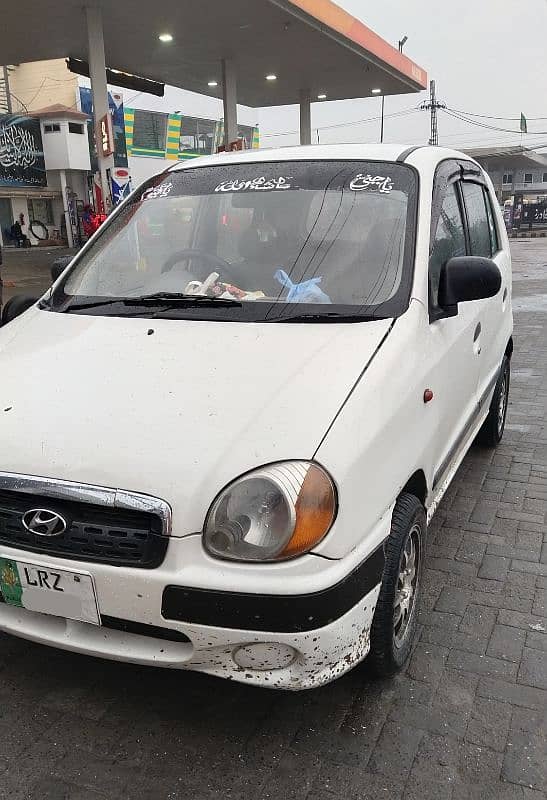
(286, 641)
(294, 624)
(276, 660)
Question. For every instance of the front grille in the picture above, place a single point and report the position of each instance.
(97, 534)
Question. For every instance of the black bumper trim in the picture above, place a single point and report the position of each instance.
(143, 629)
(273, 613)
(139, 628)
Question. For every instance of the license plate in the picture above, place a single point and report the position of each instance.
(62, 593)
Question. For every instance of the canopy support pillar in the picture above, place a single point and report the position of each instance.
(99, 89)
(229, 97)
(305, 116)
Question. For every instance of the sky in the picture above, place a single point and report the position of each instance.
(487, 57)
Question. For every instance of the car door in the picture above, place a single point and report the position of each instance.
(494, 312)
(454, 341)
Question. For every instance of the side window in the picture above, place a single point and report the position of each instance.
(494, 242)
(479, 229)
(449, 240)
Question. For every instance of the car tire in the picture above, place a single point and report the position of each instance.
(395, 617)
(15, 306)
(491, 432)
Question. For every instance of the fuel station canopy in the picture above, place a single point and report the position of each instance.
(308, 45)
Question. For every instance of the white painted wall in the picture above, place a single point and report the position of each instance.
(142, 168)
(55, 145)
(63, 149)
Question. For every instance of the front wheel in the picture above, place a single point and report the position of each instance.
(395, 618)
(493, 426)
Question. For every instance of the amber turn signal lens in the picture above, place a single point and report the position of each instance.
(315, 512)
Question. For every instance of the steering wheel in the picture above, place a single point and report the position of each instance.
(216, 262)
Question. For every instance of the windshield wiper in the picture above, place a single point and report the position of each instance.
(329, 316)
(159, 299)
(184, 299)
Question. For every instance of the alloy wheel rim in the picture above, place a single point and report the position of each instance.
(406, 587)
(502, 404)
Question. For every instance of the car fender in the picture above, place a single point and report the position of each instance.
(381, 436)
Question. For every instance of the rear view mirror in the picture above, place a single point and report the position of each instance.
(466, 278)
(16, 306)
(59, 266)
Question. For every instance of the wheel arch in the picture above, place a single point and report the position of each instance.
(509, 348)
(417, 485)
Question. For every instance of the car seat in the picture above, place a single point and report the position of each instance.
(366, 272)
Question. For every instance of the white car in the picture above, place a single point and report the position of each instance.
(224, 428)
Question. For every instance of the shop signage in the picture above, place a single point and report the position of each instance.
(21, 152)
(121, 184)
(534, 214)
(105, 136)
(115, 104)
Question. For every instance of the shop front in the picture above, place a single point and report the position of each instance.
(39, 213)
(28, 205)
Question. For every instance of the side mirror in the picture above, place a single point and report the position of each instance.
(465, 278)
(59, 266)
(16, 306)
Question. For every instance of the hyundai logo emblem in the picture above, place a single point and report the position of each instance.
(43, 522)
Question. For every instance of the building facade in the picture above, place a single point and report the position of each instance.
(52, 106)
(514, 171)
(155, 139)
(44, 163)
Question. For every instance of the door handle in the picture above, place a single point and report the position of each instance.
(477, 333)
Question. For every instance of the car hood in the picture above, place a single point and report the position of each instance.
(171, 408)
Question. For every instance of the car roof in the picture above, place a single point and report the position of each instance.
(420, 155)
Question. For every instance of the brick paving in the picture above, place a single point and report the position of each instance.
(467, 720)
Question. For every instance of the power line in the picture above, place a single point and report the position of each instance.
(30, 102)
(462, 118)
(402, 113)
(487, 116)
(350, 123)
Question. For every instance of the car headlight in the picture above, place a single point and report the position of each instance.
(272, 513)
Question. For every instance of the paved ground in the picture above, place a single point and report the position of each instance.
(466, 720)
(27, 270)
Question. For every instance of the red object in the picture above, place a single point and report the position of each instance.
(91, 221)
(428, 396)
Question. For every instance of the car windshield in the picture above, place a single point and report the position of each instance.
(311, 239)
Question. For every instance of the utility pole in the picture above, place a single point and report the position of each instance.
(382, 123)
(433, 105)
